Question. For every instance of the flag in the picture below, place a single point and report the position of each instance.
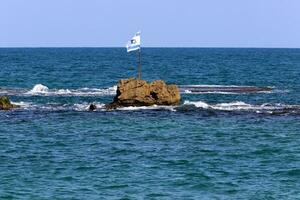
(134, 43)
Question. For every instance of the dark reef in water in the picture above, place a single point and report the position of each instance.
(233, 89)
(135, 92)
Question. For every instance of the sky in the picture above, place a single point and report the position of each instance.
(163, 23)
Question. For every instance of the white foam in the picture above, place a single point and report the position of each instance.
(231, 106)
(187, 91)
(198, 104)
(85, 106)
(239, 105)
(3, 91)
(63, 91)
(40, 89)
(22, 104)
(56, 107)
(154, 107)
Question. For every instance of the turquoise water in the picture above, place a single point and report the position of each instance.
(213, 146)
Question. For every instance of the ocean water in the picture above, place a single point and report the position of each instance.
(214, 145)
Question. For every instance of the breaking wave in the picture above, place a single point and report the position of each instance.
(242, 106)
(187, 106)
(39, 88)
(42, 90)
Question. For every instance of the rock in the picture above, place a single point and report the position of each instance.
(135, 92)
(92, 107)
(5, 104)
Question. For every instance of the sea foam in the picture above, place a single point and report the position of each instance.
(154, 107)
(242, 106)
(43, 90)
(39, 88)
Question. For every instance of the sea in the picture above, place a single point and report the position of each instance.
(214, 145)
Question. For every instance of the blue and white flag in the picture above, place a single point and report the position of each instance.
(134, 43)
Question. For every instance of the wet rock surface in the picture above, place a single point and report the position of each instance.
(135, 92)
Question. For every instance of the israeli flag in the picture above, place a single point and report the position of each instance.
(134, 43)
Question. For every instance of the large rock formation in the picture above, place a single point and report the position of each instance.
(5, 103)
(135, 92)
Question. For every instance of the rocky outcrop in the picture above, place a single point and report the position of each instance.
(135, 92)
(5, 103)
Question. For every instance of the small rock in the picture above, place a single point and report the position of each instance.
(5, 103)
(92, 107)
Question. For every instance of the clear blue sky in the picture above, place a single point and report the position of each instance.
(165, 23)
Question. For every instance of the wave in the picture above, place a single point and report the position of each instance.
(39, 88)
(187, 106)
(42, 90)
(85, 107)
(242, 106)
(59, 107)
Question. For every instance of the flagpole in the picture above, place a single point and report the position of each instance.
(139, 65)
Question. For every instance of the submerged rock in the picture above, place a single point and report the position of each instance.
(92, 107)
(135, 92)
(5, 103)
